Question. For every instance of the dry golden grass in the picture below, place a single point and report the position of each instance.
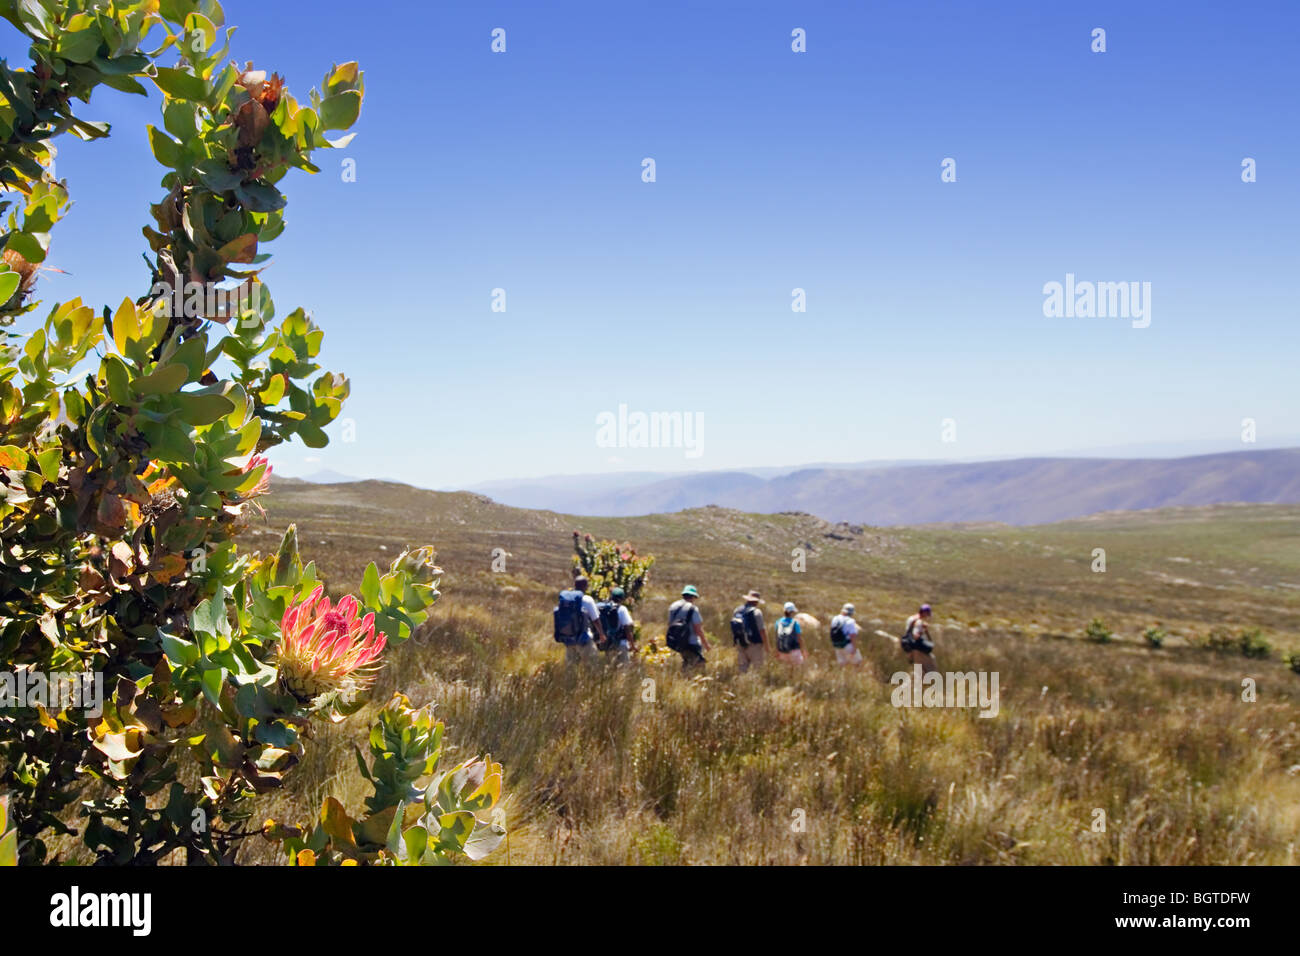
(725, 768)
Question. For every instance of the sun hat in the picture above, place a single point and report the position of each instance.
(789, 607)
(689, 591)
(752, 596)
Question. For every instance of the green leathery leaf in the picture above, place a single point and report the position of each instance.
(178, 650)
(312, 436)
(48, 461)
(248, 436)
(80, 46)
(370, 586)
(458, 825)
(9, 285)
(26, 245)
(342, 77)
(273, 392)
(203, 409)
(258, 197)
(126, 327)
(165, 149)
(116, 379)
(211, 681)
(210, 616)
(163, 380)
(180, 85)
(171, 444)
(340, 110)
(217, 176)
(394, 842)
(192, 354)
(179, 119)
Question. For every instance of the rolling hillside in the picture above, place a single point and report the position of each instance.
(712, 768)
(1018, 491)
(1231, 564)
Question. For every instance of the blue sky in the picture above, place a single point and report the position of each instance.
(774, 170)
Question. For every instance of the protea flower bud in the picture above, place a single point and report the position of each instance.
(326, 648)
(252, 80)
(418, 563)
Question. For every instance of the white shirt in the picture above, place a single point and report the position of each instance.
(849, 626)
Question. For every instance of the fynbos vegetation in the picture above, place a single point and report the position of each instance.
(131, 443)
(608, 565)
(1100, 753)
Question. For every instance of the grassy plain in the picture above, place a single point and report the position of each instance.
(816, 765)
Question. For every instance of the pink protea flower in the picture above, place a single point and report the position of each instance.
(327, 648)
(264, 483)
(245, 505)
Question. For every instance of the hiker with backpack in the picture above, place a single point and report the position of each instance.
(789, 646)
(748, 633)
(916, 641)
(844, 637)
(686, 629)
(616, 622)
(575, 617)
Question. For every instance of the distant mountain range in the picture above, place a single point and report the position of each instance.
(1015, 491)
(327, 477)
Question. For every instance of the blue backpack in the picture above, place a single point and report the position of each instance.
(608, 612)
(570, 622)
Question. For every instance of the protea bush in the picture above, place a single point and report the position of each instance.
(403, 824)
(608, 564)
(133, 456)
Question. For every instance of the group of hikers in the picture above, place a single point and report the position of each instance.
(589, 628)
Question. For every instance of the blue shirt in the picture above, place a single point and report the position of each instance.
(785, 622)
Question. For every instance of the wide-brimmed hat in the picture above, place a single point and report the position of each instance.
(689, 591)
(752, 596)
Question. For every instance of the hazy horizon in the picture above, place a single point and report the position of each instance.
(1141, 451)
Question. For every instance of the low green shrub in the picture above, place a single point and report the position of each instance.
(1098, 632)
